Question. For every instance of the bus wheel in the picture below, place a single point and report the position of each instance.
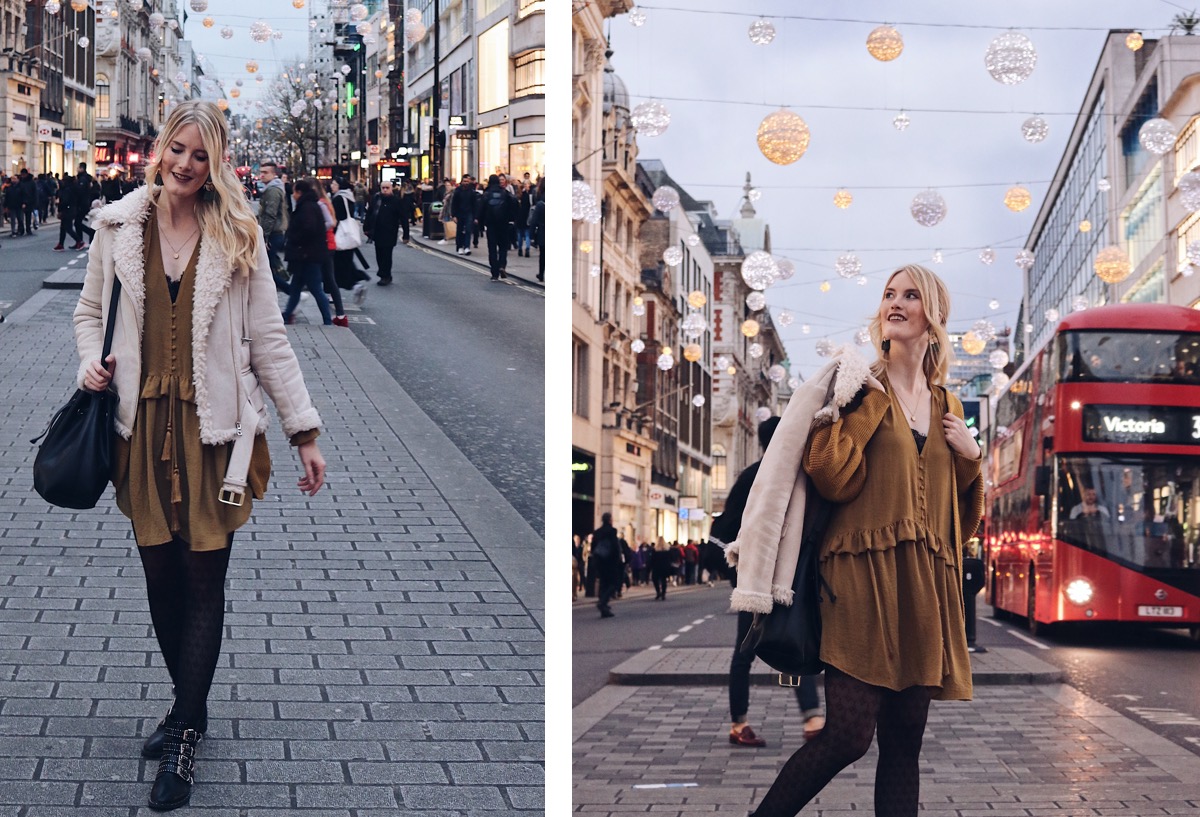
(1031, 606)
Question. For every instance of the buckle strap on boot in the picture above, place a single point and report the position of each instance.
(179, 751)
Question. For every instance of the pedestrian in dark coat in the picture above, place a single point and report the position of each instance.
(497, 211)
(408, 211)
(462, 209)
(305, 250)
(609, 561)
(66, 213)
(29, 198)
(385, 216)
(661, 567)
(86, 192)
(537, 218)
(14, 204)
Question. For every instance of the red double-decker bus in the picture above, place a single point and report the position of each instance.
(1094, 471)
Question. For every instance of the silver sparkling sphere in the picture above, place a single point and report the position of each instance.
(672, 256)
(759, 270)
(698, 400)
(1035, 129)
(785, 268)
(863, 336)
(762, 32)
(665, 199)
(756, 301)
(937, 256)
(666, 361)
(637, 17)
(785, 318)
(1157, 136)
(1010, 58)
(998, 359)
(848, 265)
(1104, 185)
(762, 414)
(901, 122)
(1189, 191)
(1080, 303)
(1052, 315)
(1193, 252)
(993, 304)
(1024, 260)
(776, 373)
(755, 350)
(928, 208)
(987, 255)
(637, 346)
(692, 240)
(650, 118)
(693, 325)
(824, 347)
(984, 329)
(722, 362)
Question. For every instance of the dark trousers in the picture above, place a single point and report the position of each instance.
(81, 228)
(331, 288)
(65, 229)
(739, 678)
(383, 257)
(497, 243)
(610, 583)
(462, 237)
(660, 584)
(307, 274)
(405, 227)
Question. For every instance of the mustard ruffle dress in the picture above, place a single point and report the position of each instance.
(892, 551)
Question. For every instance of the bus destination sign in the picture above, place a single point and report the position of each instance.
(1159, 425)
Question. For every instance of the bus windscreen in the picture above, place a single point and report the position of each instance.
(1101, 356)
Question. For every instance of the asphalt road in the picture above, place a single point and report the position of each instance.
(468, 351)
(1146, 674)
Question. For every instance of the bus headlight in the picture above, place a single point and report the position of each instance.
(1079, 591)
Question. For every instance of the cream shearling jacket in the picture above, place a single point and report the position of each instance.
(768, 545)
(227, 368)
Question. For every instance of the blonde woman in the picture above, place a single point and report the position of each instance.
(903, 474)
(198, 340)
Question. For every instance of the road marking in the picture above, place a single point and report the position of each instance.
(1164, 717)
(1028, 640)
(710, 615)
(684, 629)
(1129, 697)
(671, 637)
(699, 621)
(360, 319)
(1193, 740)
(666, 785)
(992, 622)
(655, 647)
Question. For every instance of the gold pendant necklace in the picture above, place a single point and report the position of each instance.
(162, 233)
(912, 415)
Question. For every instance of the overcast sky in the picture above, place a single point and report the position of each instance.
(695, 57)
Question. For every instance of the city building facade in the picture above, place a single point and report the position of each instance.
(21, 88)
(130, 97)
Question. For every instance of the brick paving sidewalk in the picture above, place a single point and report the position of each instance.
(1015, 751)
(384, 645)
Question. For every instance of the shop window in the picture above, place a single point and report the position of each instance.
(493, 67)
(529, 74)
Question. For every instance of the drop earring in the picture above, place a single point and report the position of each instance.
(885, 346)
(158, 179)
(210, 191)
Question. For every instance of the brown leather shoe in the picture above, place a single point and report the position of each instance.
(746, 737)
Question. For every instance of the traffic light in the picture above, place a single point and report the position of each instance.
(971, 414)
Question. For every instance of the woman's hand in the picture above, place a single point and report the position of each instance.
(314, 468)
(959, 438)
(97, 377)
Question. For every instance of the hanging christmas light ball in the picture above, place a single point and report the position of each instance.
(692, 352)
(84, 42)
(318, 104)
(666, 360)
(993, 304)
(358, 12)
(637, 346)
(754, 195)
(755, 350)
(928, 208)
(999, 381)
(594, 272)
(1112, 265)
(665, 199)
(785, 268)
(312, 24)
(363, 28)
(378, 74)
(1085, 226)
(785, 318)
(1017, 198)
(825, 286)
(759, 270)
(1080, 303)
(1157, 136)
(901, 122)
(722, 361)
(1052, 315)
(987, 255)
(762, 414)
(238, 83)
(983, 328)
(756, 301)
(776, 373)
(1104, 185)
(222, 104)
(1034, 129)
(173, 24)
(863, 336)
(298, 107)
(260, 31)
(842, 199)
(157, 20)
(693, 325)
(697, 299)
(415, 32)
(937, 256)
(199, 6)
(585, 246)
(1024, 260)
(1189, 190)
(1134, 41)
(998, 359)
(692, 240)
(235, 93)
(252, 67)
(637, 17)
(698, 400)
(672, 256)
(847, 265)
(308, 94)
(885, 43)
(226, 33)
(259, 78)
(144, 54)
(762, 31)
(824, 347)
(861, 280)
(299, 4)
(783, 137)
(650, 118)
(412, 15)
(972, 344)
(750, 328)
(79, 5)
(53, 6)
(805, 329)
(584, 205)
(793, 383)
(1193, 252)
(1010, 58)
(208, 22)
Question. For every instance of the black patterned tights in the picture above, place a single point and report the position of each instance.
(853, 711)
(187, 605)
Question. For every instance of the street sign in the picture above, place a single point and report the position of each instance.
(466, 134)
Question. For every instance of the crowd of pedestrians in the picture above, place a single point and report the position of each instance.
(604, 559)
(509, 214)
(31, 201)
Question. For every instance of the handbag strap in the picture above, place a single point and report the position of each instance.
(112, 324)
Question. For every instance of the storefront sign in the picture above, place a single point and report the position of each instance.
(1161, 425)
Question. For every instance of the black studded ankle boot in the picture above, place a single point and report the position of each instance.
(152, 748)
(173, 785)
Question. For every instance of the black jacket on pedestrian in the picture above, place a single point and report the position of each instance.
(305, 236)
(384, 217)
(606, 551)
(462, 202)
(66, 198)
(497, 207)
(29, 193)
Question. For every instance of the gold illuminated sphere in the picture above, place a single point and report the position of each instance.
(208, 22)
(378, 75)
(222, 104)
(297, 4)
(1017, 199)
(692, 352)
(308, 94)
(251, 67)
(235, 92)
(825, 286)
(638, 301)
(885, 44)
(697, 299)
(585, 246)
(79, 5)
(842, 199)
(783, 137)
(1112, 265)
(972, 344)
(1085, 226)
(731, 370)
(750, 328)
(1134, 41)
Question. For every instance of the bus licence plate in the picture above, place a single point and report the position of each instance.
(1161, 612)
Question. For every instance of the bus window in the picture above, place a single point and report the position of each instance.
(1129, 357)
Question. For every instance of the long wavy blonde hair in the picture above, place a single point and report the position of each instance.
(227, 220)
(935, 299)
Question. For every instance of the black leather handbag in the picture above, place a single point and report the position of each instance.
(73, 465)
(788, 639)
